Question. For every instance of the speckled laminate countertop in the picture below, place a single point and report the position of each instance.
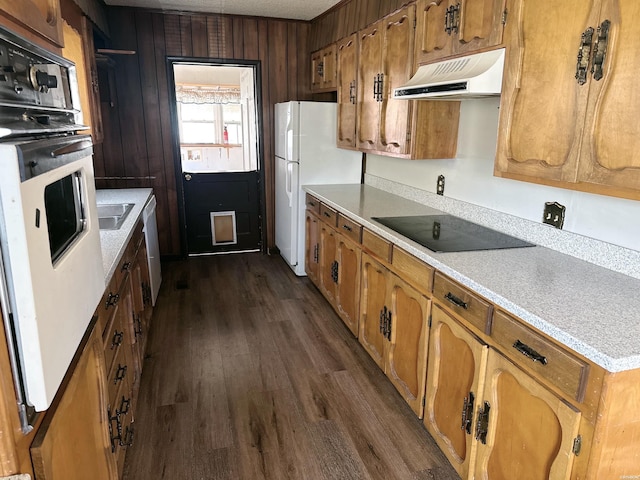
(114, 242)
(590, 309)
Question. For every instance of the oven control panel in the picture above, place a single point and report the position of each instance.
(31, 78)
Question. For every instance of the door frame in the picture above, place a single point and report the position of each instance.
(175, 140)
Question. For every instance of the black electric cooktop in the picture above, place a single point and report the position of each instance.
(446, 233)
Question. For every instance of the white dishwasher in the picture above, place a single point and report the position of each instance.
(153, 246)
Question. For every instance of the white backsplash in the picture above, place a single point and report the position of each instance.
(599, 229)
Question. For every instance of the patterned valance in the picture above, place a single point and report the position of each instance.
(207, 94)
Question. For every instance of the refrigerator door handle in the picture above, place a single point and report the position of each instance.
(287, 183)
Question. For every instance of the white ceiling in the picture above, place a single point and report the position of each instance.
(295, 9)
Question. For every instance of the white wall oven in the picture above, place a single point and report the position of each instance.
(52, 273)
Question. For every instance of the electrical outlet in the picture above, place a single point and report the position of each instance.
(554, 214)
(440, 185)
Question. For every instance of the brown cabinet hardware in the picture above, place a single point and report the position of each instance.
(482, 423)
(529, 352)
(352, 92)
(125, 404)
(126, 266)
(347, 228)
(456, 301)
(115, 431)
(127, 441)
(467, 413)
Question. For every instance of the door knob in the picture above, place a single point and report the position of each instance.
(187, 177)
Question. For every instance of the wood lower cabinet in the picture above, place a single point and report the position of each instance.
(312, 247)
(455, 379)
(524, 431)
(589, 138)
(394, 329)
(450, 27)
(72, 442)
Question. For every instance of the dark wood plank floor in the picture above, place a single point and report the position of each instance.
(251, 375)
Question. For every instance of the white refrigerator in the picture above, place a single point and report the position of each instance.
(306, 154)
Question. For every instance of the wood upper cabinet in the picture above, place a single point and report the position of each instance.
(394, 329)
(323, 69)
(347, 51)
(384, 123)
(450, 27)
(39, 16)
(399, 128)
(72, 443)
(565, 124)
(524, 430)
(455, 379)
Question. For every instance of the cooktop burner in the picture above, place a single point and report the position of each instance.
(446, 233)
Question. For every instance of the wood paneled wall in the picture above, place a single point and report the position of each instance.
(348, 17)
(138, 149)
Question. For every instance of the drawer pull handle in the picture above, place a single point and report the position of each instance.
(116, 341)
(327, 214)
(120, 373)
(529, 352)
(125, 267)
(115, 431)
(456, 301)
(312, 204)
(347, 228)
(112, 300)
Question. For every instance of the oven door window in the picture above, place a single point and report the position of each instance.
(65, 218)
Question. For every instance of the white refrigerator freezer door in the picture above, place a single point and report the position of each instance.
(287, 193)
(281, 120)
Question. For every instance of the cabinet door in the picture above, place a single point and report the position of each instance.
(329, 67)
(432, 40)
(328, 262)
(40, 16)
(348, 293)
(611, 138)
(312, 247)
(457, 362)
(481, 25)
(395, 115)
(543, 107)
(347, 71)
(73, 442)
(406, 362)
(370, 40)
(316, 70)
(372, 304)
(530, 431)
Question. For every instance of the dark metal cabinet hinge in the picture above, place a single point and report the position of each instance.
(577, 445)
(505, 13)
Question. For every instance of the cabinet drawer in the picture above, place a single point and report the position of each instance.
(113, 340)
(535, 352)
(414, 271)
(312, 204)
(349, 228)
(376, 245)
(471, 307)
(328, 215)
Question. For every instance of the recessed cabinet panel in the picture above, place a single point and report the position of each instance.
(372, 308)
(347, 50)
(348, 279)
(40, 16)
(328, 262)
(370, 41)
(312, 247)
(530, 431)
(432, 40)
(611, 137)
(480, 25)
(455, 378)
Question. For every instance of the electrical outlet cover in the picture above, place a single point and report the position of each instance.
(554, 214)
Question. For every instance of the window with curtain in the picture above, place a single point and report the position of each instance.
(209, 114)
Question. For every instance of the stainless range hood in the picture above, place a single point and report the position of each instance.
(473, 76)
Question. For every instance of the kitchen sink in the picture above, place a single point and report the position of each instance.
(111, 216)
